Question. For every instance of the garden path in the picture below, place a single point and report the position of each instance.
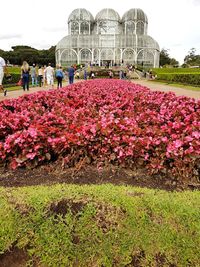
(166, 88)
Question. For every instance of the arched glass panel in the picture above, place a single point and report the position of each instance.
(85, 56)
(68, 57)
(108, 27)
(96, 55)
(106, 54)
(130, 27)
(145, 58)
(128, 56)
(74, 28)
(85, 28)
(140, 27)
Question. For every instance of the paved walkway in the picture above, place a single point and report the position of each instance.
(152, 85)
(155, 86)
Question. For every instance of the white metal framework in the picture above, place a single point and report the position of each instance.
(108, 39)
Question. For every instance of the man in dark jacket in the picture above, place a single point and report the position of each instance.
(71, 72)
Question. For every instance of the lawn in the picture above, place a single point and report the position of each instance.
(104, 225)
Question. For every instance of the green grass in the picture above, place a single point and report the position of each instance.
(176, 70)
(13, 88)
(106, 225)
(16, 70)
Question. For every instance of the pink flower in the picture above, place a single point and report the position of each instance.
(31, 155)
(177, 143)
(196, 134)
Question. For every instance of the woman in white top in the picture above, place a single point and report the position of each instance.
(40, 75)
(50, 75)
(2, 70)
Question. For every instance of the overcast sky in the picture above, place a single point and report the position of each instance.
(174, 24)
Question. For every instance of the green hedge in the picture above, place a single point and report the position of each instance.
(12, 81)
(190, 79)
(176, 70)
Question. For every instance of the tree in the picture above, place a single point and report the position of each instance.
(20, 53)
(164, 57)
(192, 59)
(174, 62)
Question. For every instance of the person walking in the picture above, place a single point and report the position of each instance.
(25, 69)
(50, 75)
(85, 74)
(110, 74)
(40, 75)
(71, 72)
(2, 71)
(34, 75)
(59, 76)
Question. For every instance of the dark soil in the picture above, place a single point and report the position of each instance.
(19, 258)
(88, 174)
(63, 206)
(14, 258)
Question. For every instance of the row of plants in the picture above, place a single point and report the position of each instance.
(189, 79)
(176, 70)
(11, 80)
(103, 120)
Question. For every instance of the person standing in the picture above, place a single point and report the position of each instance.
(59, 76)
(34, 75)
(121, 74)
(44, 76)
(25, 69)
(71, 72)
(2, 71)
(50, 75)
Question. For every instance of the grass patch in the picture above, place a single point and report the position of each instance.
(13, 88)
(176, 70)
(106, 225)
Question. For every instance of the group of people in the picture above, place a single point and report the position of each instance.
(42, 76)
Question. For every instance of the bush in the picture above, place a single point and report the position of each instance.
(190, 79)
(13, 81)
(106, 121)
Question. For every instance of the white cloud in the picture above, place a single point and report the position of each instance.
(44, 23)
(10, 36)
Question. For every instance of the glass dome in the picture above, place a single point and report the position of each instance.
(146, 41)
(108, 22)
(80, 14)
(107, 14)
(80, 22)
(135, 14)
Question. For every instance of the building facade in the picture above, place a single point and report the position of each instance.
(108, 39)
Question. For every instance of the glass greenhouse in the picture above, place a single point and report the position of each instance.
(108, 39)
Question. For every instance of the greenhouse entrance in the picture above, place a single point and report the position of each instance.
(107, 63)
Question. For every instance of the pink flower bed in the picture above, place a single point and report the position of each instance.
(106, 121)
